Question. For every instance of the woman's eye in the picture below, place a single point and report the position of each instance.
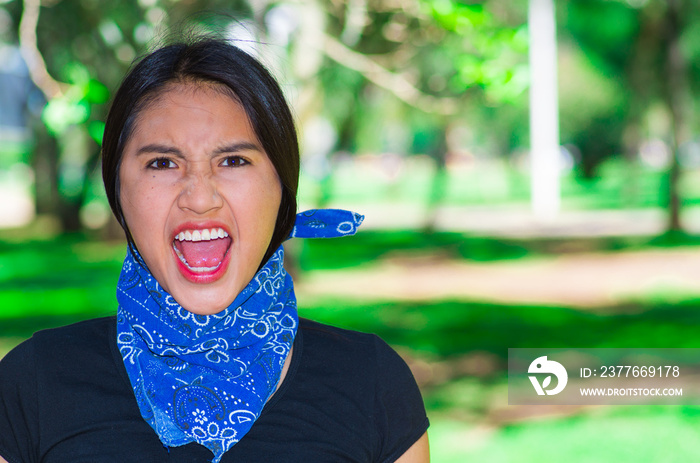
(234, 161)
(162, 163)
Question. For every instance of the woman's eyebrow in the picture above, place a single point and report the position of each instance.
(164, 149)
(160, 149)
(236, 147)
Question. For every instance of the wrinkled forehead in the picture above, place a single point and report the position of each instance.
(187, 88)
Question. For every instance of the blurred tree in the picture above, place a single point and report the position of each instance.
(438, 59)
(371, 67)
(646, 55)
(598, 39)
(676, 95)
(431, 56)
(66, 41)
(76, 51)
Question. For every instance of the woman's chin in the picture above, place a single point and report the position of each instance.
(203, 304)
(206, 298)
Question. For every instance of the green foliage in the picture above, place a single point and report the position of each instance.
(459, 17)
(62, 112)
(447, 50)
(76, 105)
(588, 95)
(604, 28)
(472, 53)
(492, 54)
(96, 129)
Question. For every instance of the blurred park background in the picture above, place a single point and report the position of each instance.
(416, 113)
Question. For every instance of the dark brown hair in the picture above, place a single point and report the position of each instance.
(215, 61)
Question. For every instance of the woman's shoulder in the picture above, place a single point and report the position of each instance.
(365, 399)
(81, 328)
(320, 332)
(73, 339)
(82, 331)
(327, 341)
(349, 353)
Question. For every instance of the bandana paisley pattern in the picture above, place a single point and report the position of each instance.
(206, 378)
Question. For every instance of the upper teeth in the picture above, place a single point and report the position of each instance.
(201, 235)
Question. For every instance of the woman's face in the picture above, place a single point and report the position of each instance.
(199, 194)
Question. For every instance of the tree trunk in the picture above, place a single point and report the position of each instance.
(45, 164)
(677, 95)
(436, 194)
(642, 74)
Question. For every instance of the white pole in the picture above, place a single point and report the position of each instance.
(544, 111)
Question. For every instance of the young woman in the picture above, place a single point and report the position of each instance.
(207, 359)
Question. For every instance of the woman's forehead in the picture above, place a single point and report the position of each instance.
(182, 92)
(190, 87)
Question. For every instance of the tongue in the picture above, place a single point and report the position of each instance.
(203, 253)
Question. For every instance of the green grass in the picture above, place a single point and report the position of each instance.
(368, 246)
(639, 434)
(48, 282)
(450, 328)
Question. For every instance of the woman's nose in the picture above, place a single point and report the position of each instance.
(199, 194)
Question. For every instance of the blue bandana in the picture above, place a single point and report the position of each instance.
(206, 378)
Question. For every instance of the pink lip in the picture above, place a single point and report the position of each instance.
(206, 277)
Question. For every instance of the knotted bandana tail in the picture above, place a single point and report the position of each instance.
(326, 223)
(206, 378)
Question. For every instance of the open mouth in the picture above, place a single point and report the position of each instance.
(202, 251)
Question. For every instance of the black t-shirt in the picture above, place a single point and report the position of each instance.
(347, 397)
